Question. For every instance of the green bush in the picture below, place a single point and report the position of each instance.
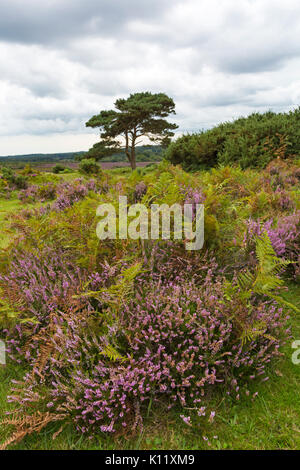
(58, 168)
(14, 179)
(249, 142)
(89, 166)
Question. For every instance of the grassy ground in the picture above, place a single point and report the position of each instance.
(7, 210)
(270, 422)
(8, 207)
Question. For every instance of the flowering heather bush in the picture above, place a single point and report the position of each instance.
(175, 340)
(47, 192)
(30, 194)
(69, 193)
(39, 285)
(140, 191)
(68, 196)
(284, 174)
(284, 236)
(26, 214)
(194, 196)
(282, 200)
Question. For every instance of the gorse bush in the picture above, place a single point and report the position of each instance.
(89, 166)
(58, 168)
(249, 142)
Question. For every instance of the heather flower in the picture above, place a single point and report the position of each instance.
(140, 191)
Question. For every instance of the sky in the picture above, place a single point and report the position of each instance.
(62, 61)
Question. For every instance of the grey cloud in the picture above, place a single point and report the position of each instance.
(46, 22)
(62, 61)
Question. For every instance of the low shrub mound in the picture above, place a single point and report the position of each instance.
(175, 341)
(249, 142)
(89, 166)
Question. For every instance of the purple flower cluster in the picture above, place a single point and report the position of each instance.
(284, 236)
(140, 191)
(194, 196)
(33, 193)
(69, 193)
(39, 285)
(282, 200)
(174, 341)
(30, 194)
(283, 174)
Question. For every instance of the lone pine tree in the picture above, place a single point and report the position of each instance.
(140, 115)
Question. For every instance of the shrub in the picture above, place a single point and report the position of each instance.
(250, 142)
(29, 195)
(58, 168)
(284, 236)
(89, 166)
(69, 193)
(175, 341)
(16, 181)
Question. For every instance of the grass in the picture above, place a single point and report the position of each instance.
(271, 421)
(7, 209)
(70, 176)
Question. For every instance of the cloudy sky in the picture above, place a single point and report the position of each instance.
(61, 61)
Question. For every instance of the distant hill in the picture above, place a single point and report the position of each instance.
(144, 153)
(42, 157)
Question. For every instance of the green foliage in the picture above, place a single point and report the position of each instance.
(89, 166)
(163, 191)
(196, 151)
(250, 142)
(11, 314)
(140, 115)
(117, 293)
(265, 279)
(14, 179)
(28, 170)
(58, 168)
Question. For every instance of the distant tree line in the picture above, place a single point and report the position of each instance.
(144, 153)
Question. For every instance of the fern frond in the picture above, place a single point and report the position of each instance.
(265, 280)
(112, 354)
(245, 280)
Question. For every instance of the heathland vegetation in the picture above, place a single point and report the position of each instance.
(250, 142)
(140, 343)
(144, 153)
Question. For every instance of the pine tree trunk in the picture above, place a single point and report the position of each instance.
(132, 158)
